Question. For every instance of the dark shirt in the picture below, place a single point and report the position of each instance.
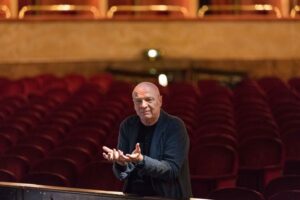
(141, 184)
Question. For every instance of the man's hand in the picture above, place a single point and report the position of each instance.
(114, 155)
(136, 156)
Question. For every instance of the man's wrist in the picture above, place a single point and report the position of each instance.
(140, 161)
(140, 158)
(121, 163)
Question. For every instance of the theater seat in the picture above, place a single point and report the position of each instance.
(62, 167)
(213, 166)
(47, 178)
(286, 195)
(281, 184)
(13, 168)
(261, 160)
(5, 144)
(29, 152)
(236, 193)
(99, 175)
(79, 156)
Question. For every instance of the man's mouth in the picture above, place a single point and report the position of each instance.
(146, 112)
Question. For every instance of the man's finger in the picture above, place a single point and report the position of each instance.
(105, 155)
(137, 148)
(124, 157)
(105, 148)
(115, 154)
(110, 156)
(131, 156)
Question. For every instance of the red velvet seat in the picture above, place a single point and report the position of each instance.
(74, 81)
(281, 184)
(91, 133)
(79, 156)
(12, 88)
(236, 193)
(286, 195)
(60, 166)
(103, 81)
(212, 166)
(87, 144)
(5, 144)
(12, 132)
(30, 85)
(218, 138)
(210, 129)
(13, 168)
(99, 175)
(261, 160)
(291, 142)
(47, 178)
(45, 143)
(55, 134)
(60, 95)
(101, 124)
(29, 152)
(253, 131)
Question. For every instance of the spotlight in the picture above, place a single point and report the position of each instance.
(163, 80)
(152, 54)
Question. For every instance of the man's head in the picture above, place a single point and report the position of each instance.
(147, 102)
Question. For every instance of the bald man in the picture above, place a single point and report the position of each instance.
(152, 152)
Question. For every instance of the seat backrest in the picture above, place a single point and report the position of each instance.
(31, 153)
(284, 183)
(99, 175)
(291, 167)
(78, 155)
(7, 176)
(38, 140)
(214, 128)
(90, 146)
(5, 144)
(15, 165)
(236, 193)
(213, 160)
(291, 141)
(286, 195)
(47, 178)
(261, 152)
(62, 166)
(218, 138)
(92, 133)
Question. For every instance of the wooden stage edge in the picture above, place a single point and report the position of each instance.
(26, 191)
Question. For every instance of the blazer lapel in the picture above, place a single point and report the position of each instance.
(159, 129)
(134, 134)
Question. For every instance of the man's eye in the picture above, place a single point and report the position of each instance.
(149, 100)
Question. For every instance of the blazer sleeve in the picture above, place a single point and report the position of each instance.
(122, 172)
(174, 149)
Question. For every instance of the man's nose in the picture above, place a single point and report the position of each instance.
(144, 103)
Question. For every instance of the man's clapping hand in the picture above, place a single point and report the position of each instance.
(115, 155)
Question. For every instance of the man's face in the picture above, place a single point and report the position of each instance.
(147, 104)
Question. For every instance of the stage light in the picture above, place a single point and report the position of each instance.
(163, 80)
(152, 54)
